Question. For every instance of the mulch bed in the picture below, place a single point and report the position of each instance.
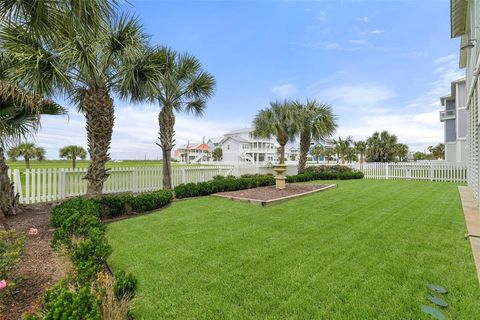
(40, 268)
(270, 195)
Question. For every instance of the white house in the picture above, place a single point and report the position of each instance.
(242, 146)
(465, 23)
(454, 117)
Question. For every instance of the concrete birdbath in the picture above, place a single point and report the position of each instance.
(280, 178)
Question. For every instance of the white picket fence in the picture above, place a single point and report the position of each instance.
(433, 171)
(45, 185)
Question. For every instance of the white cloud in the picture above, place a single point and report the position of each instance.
(365, 19)
(284, 90)
(322, 16)
(135, 133)
(417, 130)
(376, 31)
(356, 96)
(332, 45)
(359, 42)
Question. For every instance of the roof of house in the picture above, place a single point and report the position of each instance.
(245, 130)
(458, 17)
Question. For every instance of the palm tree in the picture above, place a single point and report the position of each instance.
(438, 152)
(81, 54)
(72, 153)
(217, 154)
(401, 151)
(279, 120)
(178, 83)
(317, 122)
(19, 118)
(381, 147)
(28, 151)
(342, 147)
(361, 148)
(317, 151)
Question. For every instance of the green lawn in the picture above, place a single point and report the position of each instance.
(365, 250)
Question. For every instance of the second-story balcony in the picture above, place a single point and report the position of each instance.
(447, 114)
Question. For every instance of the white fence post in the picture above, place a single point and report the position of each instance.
(387, 173)
(62, 184)
(134, 182)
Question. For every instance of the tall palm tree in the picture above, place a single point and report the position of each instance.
(81, 54)
(178, 83)
(279, 120)
(72, 153)
(28, 151)
(19, 118)
(381, 147)
(401, 151)
(361, 148)
(342, 147)
(317, 122)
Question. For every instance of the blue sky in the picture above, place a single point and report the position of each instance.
(382, 65)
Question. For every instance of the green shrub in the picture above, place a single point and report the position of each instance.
(80, 230)
(309, 176)
(62, 303)
(189, 190)
(125, 285)
(327, 169)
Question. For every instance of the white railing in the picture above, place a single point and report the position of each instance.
(45, 185)
(433, 171)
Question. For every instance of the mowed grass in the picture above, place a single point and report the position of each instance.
(365, 250)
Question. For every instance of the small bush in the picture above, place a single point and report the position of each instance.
(62, 303)
(189, 190)
(125, 285)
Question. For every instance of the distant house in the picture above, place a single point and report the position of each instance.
(242, 146)
(454, 117)
(214, 143)
(193, 153)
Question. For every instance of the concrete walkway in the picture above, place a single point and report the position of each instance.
(472, 220)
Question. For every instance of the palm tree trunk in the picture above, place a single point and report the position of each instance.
(305, 138)
(282, 154)
(74, 162)
(8, 198)
(166, 121)
(100, 116)
(27, 163)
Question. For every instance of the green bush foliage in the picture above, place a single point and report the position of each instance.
(310, 176)
(80, 230)
(223, 184)
(62, 303)
(327, 169)
(125, 285)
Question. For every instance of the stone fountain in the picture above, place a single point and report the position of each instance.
(280, 179)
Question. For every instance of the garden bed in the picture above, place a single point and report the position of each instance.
(39, 269)
(271, 195)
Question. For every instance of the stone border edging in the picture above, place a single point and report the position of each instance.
(265, 203)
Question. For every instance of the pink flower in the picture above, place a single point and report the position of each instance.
(3, 284)
(33, 231)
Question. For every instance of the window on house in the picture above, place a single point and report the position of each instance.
(228, 147)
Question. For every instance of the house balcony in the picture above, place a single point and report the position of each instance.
(447, 114)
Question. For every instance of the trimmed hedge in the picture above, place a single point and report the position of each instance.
(80, 230)
(310, 176)
(327, 169)
(189, 190)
